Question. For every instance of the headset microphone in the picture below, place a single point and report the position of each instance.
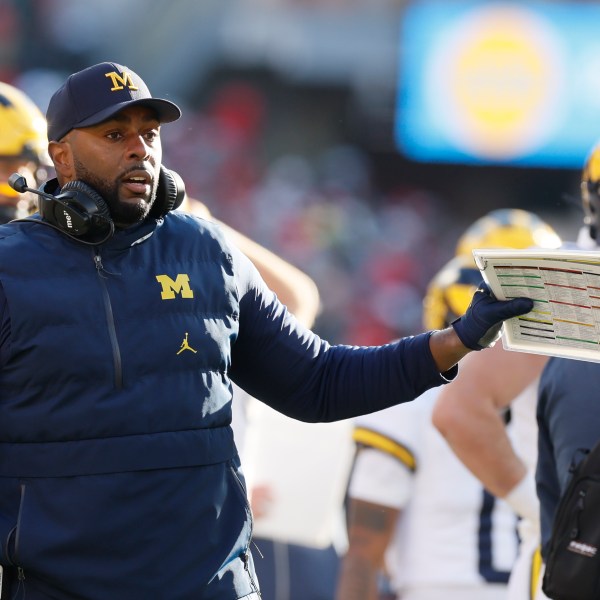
(78, 210)
(18, 183)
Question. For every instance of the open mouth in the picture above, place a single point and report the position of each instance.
(137, 184)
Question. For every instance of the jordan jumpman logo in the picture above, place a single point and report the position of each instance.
(185, 345)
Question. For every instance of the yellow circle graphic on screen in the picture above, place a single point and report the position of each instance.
(495, 81)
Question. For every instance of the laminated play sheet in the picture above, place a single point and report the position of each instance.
(565, 288)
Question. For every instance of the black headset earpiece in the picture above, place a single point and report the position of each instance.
(78, 209)
(169, 194)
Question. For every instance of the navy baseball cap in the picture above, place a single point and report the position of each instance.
(93, 95)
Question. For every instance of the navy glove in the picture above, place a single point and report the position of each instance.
(480, 326)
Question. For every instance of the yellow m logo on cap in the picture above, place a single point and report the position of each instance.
(120, 81)
(181, 286)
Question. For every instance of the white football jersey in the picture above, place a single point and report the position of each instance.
(451, 533)
(524, 430)
(525, 577)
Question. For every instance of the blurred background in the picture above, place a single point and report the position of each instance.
(356, 138)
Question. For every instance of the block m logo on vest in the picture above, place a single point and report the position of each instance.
(173, 287)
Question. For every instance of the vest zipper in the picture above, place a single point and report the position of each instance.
(12, 549)
(246, 553)
(110, 320)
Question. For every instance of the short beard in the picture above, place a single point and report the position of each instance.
(123, 214)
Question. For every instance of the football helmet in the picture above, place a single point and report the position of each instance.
(508, 228)
(22, 127)
(450, 292)
(590, 190)
(23, 149)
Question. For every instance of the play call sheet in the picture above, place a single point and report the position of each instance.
(565, 288)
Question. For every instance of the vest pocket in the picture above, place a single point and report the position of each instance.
(12, 539)
(245, 556)
(9, 546)
(241, 488)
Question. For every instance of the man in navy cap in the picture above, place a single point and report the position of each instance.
(108, 94)
(123, 324)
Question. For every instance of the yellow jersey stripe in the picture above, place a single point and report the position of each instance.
(377, 440)
(536, 569)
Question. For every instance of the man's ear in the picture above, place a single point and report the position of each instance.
(62, 157)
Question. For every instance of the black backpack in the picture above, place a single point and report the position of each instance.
(573, 558)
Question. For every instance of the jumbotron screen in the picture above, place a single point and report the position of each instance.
(500, 83)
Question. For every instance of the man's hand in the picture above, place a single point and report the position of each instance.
(480, 326)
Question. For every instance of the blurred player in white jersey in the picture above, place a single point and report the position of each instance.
(469, 415)
(414, 510)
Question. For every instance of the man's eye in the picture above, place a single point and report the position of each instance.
(113, 135)
(151, 135)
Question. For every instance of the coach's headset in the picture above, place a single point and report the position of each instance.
(81, 213)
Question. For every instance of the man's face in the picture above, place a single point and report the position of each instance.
(120, 158)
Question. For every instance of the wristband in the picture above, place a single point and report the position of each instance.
(523, 499)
